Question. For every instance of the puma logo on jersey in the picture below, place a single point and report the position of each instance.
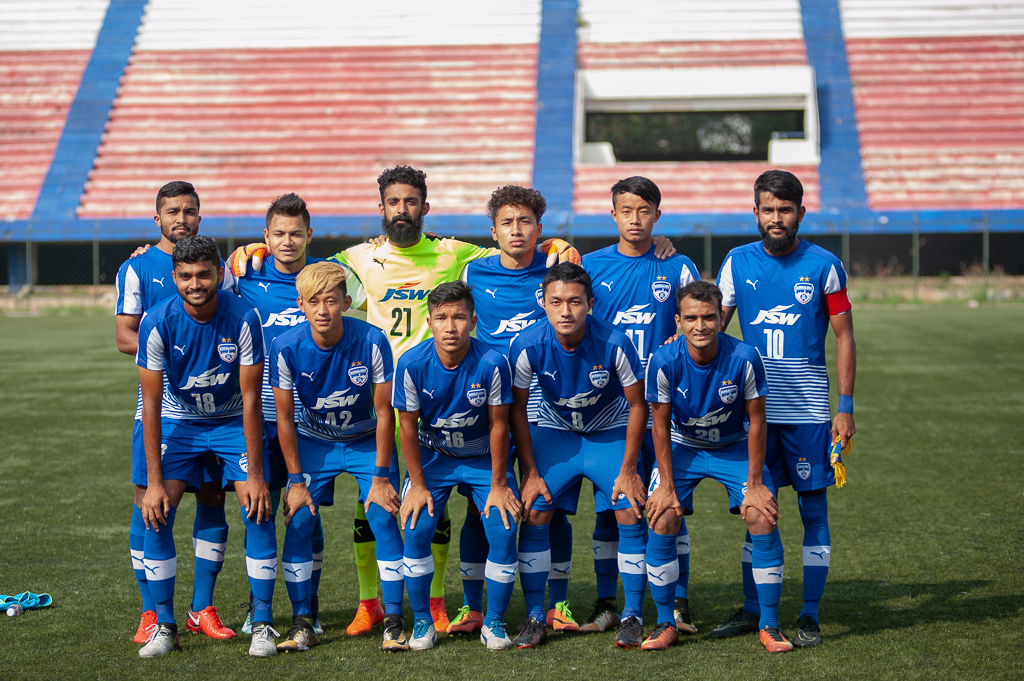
(753, 283)
(551, 374)
(428, 393)
(291, 316)
(712, 418)
(487, 290)
(459, 420)
(181, 349)
(265, 285)
(159, 281)
(336, 399)
(309, 375)
(605, 283)
(207, 379)
(518, 323)
(682, 392)
(634, 315)
(380, 262)
(777, 315)
(578, 400)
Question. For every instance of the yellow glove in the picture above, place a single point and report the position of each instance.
(238, 261)
(836, 458)
(560, 250)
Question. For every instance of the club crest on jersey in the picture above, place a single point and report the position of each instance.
(243, 463)
(728, 392)
(804, 290)
(661, 289)
(476, 395)
(539, 293)
(803, 469)
(358, 374)
(599, 377)
(227, 350)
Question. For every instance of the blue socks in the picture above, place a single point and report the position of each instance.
(297, 561)
(683, 556)
(663, 574)
(750, 603)
(561, 559)
(767, 565)
(633, 568)
(817, 548)
(389, 558)
(261, 565)
(473, 550)
(210, 540)
(317, 542)
(136, 544)
(534, 566)
(606, 551)
(502, 564)
(161, 565)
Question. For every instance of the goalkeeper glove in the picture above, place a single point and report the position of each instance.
(559, 250)
(836, 459)
(238, 261)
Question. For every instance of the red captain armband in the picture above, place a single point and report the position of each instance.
(838, 302)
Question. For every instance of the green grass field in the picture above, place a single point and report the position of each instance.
(926, 579)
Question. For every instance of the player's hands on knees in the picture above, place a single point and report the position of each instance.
(663, 500)
(384, 495)
(503, 499)
(140, 251)
(238, 261)
(531, 488)
(257, 500)
(415, 499)
(155, 507)
(844, 427)
(295, 498)
(663, 247)
(761, 499)
(630, 486)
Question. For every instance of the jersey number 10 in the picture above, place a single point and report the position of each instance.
(775, 343)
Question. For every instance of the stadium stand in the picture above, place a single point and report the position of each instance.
(939, 92)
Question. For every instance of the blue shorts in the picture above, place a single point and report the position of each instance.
(728, 465)
(471, 476)
(322, 461)
(798, 455)
(565, 457)
(279, 470)
(211, 468)
(186, 445)
(648, 463)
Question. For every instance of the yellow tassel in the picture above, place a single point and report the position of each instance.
(836, 457)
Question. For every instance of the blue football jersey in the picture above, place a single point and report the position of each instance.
(708, 408)
(637, 294)
(580, 390)
(272, 293)
(783, 306)
(334, 387)
(452, 402)
(507, 301)
(200, 360)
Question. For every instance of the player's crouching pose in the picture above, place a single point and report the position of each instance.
(590, 424)
(340, 370)
(452, 394)
(210, 346)
(707, 391)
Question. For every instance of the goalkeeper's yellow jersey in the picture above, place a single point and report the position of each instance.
(395, 282)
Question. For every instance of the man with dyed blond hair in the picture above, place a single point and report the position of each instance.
(339, 369)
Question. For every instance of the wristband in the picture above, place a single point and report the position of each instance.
(296, 479)
(845, 404)
(381, 472)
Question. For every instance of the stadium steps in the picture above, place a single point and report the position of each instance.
(38, 86)
(467, 119)
(941, 120)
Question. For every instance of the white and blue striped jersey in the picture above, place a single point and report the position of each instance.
(581, 390)
(145, 281)
(452, 402)
(333, 388)
(272, 293)
(200, 360)
(783, 305)
(638, 294)
(708, 410)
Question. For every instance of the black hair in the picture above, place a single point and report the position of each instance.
(702, 292)
(570, 273)
(403, 175)
(173, 189)
(514, 195)
(450, 292)
(290, 205)
(640, 186)
(783, 184)
(193, 249)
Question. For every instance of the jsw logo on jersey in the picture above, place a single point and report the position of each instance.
(777, 315)
(336, 399)
(579, 400)
(290, 317)
(634, 315)
(712, 418)
(406, 292)
(518, 323)
(456, 421)
(207, 379)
